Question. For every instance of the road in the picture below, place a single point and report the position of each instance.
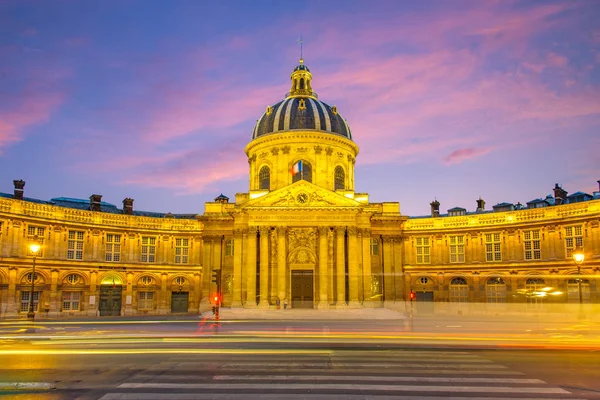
(196, 358)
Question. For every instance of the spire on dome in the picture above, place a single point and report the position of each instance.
(301, 79)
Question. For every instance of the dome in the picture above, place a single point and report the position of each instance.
(303, 113)
(301, 110)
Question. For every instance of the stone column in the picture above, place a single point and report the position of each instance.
(264, 267)
(323, 302)
(206, 271)
(388, 275)
(251, 269)
(340, 261)
(367, 277)
(237, 268)
(128, 294)
(197, 287)
(55, 302)
(163, 305)
(353, 268)
(13, 304)
(399, 288)
(281, 265)
(92, 309)
(330, 269)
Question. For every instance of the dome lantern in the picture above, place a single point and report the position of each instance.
(301, 82)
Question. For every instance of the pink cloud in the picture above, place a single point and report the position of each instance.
(32, 109)
(556, 60)
(460, 155)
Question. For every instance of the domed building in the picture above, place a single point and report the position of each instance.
(301, 236)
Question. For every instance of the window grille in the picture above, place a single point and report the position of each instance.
(75, 245)
(148, 249)
(113, 247)
(493, 249)
(340, 178)
(532, 244)
(181, 250)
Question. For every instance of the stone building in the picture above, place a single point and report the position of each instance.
(301, 234)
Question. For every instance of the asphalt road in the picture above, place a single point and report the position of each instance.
(196, 359)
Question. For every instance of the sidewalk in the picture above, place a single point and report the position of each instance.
(308, 314)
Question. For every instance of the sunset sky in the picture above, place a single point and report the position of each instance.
(156, 100)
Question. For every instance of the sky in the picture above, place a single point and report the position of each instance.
(156, 100)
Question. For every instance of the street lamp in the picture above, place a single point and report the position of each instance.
(578, 257)
(34, 247)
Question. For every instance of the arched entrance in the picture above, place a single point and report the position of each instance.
(111, 291)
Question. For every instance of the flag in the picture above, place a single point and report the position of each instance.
(296, 168)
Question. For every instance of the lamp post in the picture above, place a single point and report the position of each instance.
(578, 257)
(34, 247)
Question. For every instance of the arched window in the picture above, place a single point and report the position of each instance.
(301, 170)
(264, 177)
(495, 290)
(302, 83)
(533, 290)
(459, 290)
(573, 290)
(340, 178)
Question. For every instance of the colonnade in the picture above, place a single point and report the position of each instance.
(339, 258)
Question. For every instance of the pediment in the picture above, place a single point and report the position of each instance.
(304, 195)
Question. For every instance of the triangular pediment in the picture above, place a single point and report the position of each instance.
(302, 194)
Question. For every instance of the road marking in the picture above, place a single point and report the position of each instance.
(335, 386)
(26, 386)
(293, 396)
(384, 378)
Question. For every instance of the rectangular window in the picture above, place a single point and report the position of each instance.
(457, 249)
(374, 247)
(36, 233)
(71, 301)
(493, 250)
(573, 239)
(148, 249)
(25, 300)
(75, 245)
(422, 244)
(113, 247)
(181, 251)
(229, 247)
(145, 300)
(531, 241)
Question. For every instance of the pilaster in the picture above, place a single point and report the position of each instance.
(323, 302)
(340, 261)
(264, 267)
(281, 264)
(353, 267)
(251, 269)
(238, 246)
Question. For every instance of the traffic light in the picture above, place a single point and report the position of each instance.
(216, 278)
(413, 295)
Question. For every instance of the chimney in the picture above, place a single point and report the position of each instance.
(560, 195)
(221, 199)
(435, 208)
(19, 185)
(128, 206)
(480, 205)
(95, 201)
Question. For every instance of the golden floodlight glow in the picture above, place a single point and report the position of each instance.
(34, 247)
(578, 256)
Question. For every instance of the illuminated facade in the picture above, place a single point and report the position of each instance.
(301, 235)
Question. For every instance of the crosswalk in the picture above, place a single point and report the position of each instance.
(353, 374)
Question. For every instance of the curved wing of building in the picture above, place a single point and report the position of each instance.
(301, 235)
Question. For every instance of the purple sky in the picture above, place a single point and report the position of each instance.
(156, 100)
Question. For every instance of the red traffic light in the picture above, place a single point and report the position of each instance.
(413, 295)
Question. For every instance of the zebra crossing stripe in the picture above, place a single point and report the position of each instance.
(335, 386)
(294, 396)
